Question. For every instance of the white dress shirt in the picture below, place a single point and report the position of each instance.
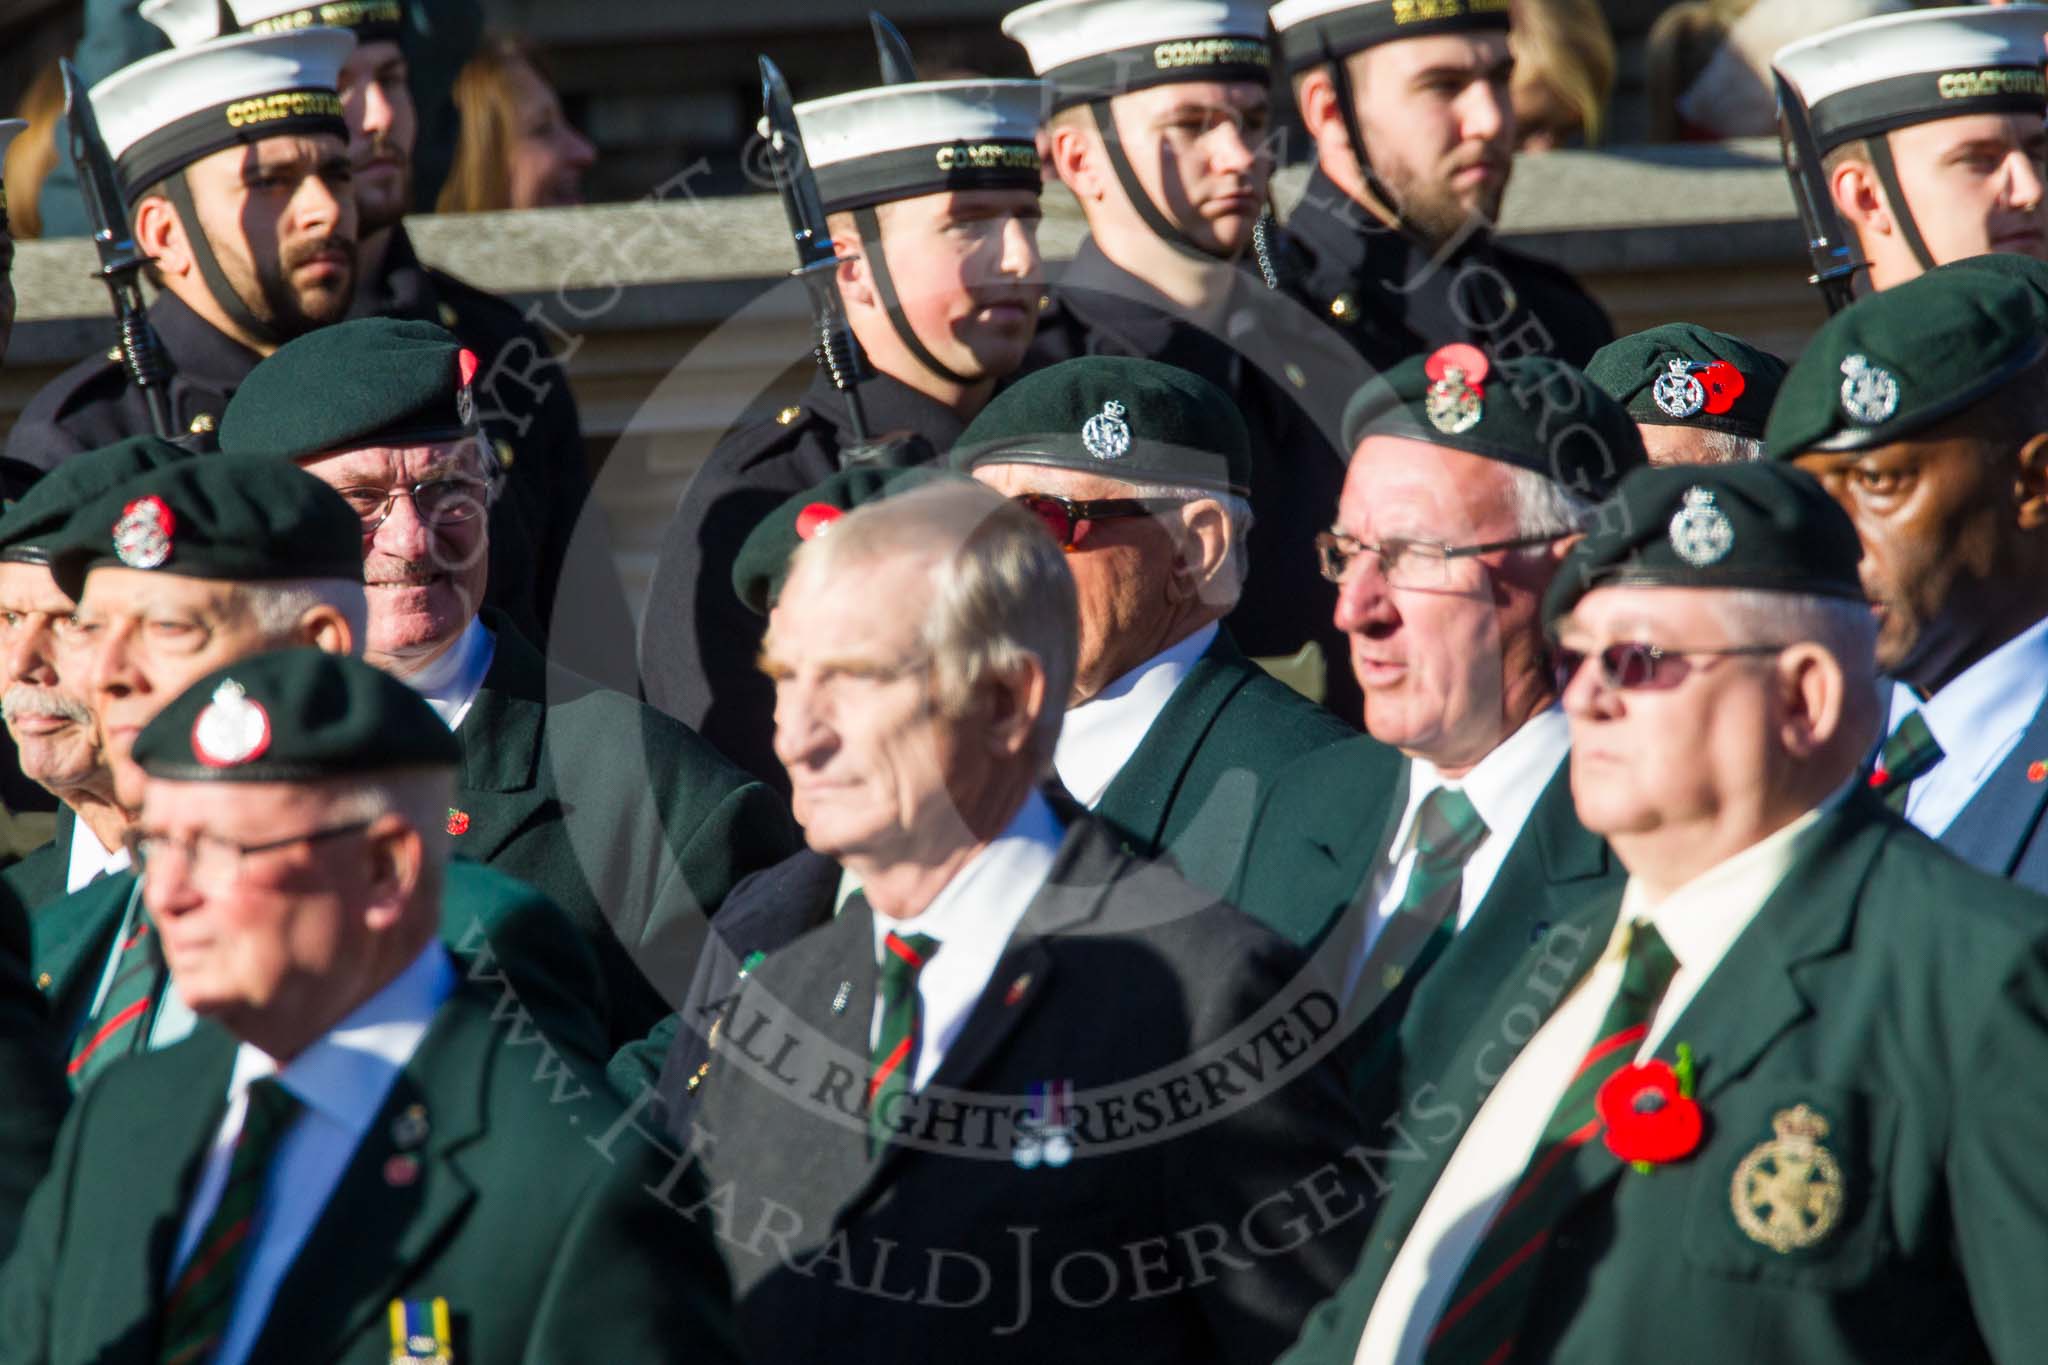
(450, 683)
(1099, 736)
(90, 858)
(972, 919)
(341, 1082)
(1503, 787)
(1699, 922)
(1976, 719)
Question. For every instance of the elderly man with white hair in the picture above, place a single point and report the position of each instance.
(1784, 1087)
(1026, 1095)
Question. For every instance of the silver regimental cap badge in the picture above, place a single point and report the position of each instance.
(1679, 392)
(1700, 531)
(142, 535)
(1106, 435)
(232, 729)
(1452, 405)
(1870, 393)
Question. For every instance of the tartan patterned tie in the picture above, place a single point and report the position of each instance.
(895, 1050)
(120, 1024)
(1486, 1308)
(1447, 832)
(1908, 754)
(196, 1310)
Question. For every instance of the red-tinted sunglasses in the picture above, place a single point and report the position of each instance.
(1633, 664)
(1068, 520)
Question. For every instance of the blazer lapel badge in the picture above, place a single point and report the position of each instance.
(420, 1334)
(1787, 1193)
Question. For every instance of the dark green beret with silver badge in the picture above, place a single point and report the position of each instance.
(294, 715)
(238, 518)
(1768, 527)
(1532, 412)
(762, 566)
(34, 521)
(1136, 421)
(1685, 375)
(366, 382)
(1901, 360)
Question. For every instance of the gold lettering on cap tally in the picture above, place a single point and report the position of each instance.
(987, 156)
(285, 104)
(339, 14)
(1967, 85)
(1423, 11)
(1211, 52)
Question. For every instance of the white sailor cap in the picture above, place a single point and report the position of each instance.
(1875, 75)
(186, 22)
(901, 141)
(1093, 49)
(165, 112)
(1315, 31)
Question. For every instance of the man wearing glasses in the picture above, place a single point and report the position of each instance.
(1704, 1132)
(1422, 861)
(178, 570)
(1140, 470)
(353, 1150)
(624, 816)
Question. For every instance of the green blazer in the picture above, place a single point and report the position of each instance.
(1197, 778)
(1899, 995)
(39, 878)
(622, 815)
(520, 941)
(545, 1249)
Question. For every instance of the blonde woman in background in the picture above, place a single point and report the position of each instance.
(1564, 73)
(516, 150)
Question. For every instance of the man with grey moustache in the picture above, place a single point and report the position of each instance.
(47, 716)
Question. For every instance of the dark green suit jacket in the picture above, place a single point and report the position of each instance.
(39, 878)
(518, 938)
(1313, 855)
(622, 815)
(1196, 780)
(547, 1247)
(1903, 998)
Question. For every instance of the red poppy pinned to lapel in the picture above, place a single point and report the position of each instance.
(1651, 1116)
(458, 821)
(2037, 771)
(1017, 989)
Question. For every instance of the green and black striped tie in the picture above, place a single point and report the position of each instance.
(196, 1311)
(895, 1050)
(1907, 755)
(1492, 1297)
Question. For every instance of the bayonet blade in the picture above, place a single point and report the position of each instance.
(898, 66)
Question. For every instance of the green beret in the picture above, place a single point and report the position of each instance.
(763, 563)
(1901, 360)
(367, 382)
(1136, 421)
(294, 715)
(239, 518)
(1532, 412)
(31, 523)
(1745, 525)
(1682, 375)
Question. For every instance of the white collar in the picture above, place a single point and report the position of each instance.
(1976, 716)
(347, 1072)
(89, 857)
(1099, 736)
(451, 680)
(1701, 919)
(987, 897)
(1504, 786)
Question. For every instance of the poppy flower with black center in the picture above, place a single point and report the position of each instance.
(1648, 1120)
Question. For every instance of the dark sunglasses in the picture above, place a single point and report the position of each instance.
(1633, 664)
(1068, 520)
